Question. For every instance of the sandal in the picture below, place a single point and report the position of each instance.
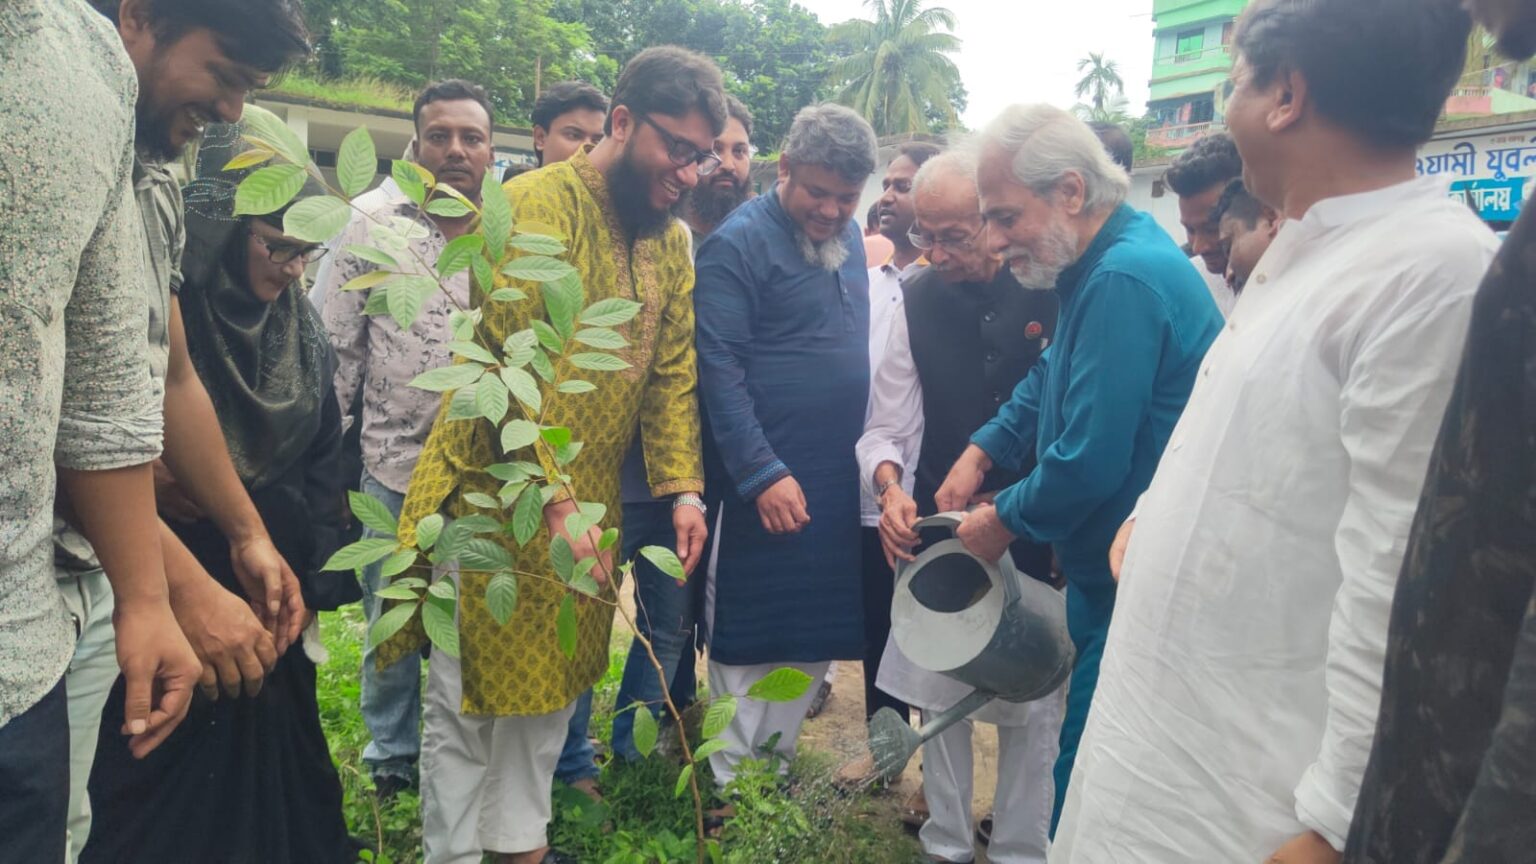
(914, 812)
(984, 830)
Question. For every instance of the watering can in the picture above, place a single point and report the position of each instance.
(981, 623)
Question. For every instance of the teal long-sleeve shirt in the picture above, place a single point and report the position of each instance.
(1100, 406)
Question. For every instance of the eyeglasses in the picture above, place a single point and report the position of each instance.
(681, 153)
(281, 253)
(926, 242)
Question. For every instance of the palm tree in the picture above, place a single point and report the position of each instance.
(1103, 76)
(1116, 110)
(895, 68)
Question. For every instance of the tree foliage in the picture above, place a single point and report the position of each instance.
(896, 69)
(1101, 82)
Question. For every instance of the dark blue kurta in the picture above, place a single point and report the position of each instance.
(784, 378)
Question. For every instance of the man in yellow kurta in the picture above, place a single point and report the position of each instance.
(496, 716)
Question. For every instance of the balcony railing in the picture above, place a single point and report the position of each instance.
(1196, 56)
(1178, 137)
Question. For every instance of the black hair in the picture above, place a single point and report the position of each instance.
(872, 218)
(1210, 161)
(1380, 69)
(266, 34)
(1238, 203)
(452, 90)
(738, 111)
(564, 97)
(672, 81)
(1116, 141)
(516, 171)
(918, 151)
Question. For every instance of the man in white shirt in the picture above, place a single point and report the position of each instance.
(1240, 686)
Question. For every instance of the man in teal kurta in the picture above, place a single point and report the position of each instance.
(1099, 407)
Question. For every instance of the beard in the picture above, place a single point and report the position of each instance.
(1058, 251)
(630, 188)
(152, 132)
(711, 202)
(828, 254)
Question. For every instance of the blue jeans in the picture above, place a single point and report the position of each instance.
(34, 772)
(578, 761)
(665, 614)
(391, 697)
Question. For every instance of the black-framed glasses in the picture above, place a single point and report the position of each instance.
(681, 153)
(926, 242)
(279, 252)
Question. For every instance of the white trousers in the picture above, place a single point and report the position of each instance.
(1022, 801)
(756, 722)
(485, 781)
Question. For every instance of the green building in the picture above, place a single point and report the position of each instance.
(1189, 68)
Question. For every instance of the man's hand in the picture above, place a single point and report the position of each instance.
(582, 547)
(1117, 548)
(898, 513)
(272, 588)
(959, 489)
(1308, 848)
(170, 500)
(229, 640)
(691, 530)
(782, 508)
(984, 534)
(159, 671)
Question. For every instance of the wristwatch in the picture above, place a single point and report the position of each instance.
(690, 499)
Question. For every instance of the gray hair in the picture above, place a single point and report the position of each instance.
(1047, 143)
(959, 161)
(833, 137)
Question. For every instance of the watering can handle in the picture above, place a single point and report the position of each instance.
(951, 520)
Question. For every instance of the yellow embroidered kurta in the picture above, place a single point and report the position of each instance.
(518, 669)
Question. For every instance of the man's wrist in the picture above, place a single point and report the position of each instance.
(979, 458)
(690, 499)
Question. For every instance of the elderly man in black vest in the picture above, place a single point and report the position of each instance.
(968, 334)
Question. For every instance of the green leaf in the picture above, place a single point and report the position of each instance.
(390, 623)
(473, 351)
(562, 299)
(427, 530)
(716, 851)
(458, 253)
(501, 597)
(410, 180)
(537, 268)
(528, 515)
(448, 208)
(268, 189)
(610, 312)
(509, 492)
(567, 454)
(556, 436)
(523, 387)
(576, 385)
(480, 499)
(565, 626)
(562, 558)
(406, 296)
(478, 523)
(582, 579)
(665, 560)
(360, 554)
(262, 125)
(445, 378)
(601, 337)
(372, 255)
(317, 219)
(444, 589)
(708, 749)
(682, 781)
(645, 730)
(495, 215)
(508, 295)
(484, 554)
(397, 592)
(368, 280)
(538, 244)
(540, 364)
(440, 628)
(491, 396)
(780, 685)
(397, 563)
(356, 162)
(552, 341)
(377, 302)
(513, 471)
(599, 362)
(518, 434)
(372, 513)
(718, 716)
(609, 538)
(463, 405)
(485, 277)
(249, 158)
(519, 347)
(461, 324)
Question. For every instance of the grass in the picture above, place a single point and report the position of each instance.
(806, 820)
(350, 92)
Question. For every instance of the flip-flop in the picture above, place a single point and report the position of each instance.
(984, 830)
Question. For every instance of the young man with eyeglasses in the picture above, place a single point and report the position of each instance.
(377, 359)
(496, 717)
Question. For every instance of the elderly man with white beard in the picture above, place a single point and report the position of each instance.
(1099, 407)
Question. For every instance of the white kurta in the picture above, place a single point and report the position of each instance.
(1238, 694)
(885, 306)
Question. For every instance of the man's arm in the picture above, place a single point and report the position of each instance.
(892, 440)
(196, 452)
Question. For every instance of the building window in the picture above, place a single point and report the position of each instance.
(1188, 45)
(1201, 110)
(1226, 32)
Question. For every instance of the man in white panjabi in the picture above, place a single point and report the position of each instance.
(1239, 691)
(966, 329)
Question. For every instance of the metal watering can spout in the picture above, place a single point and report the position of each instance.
(981, 623)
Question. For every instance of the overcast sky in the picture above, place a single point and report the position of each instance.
(1027, 50)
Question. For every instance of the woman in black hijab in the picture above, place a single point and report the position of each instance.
(246, 778)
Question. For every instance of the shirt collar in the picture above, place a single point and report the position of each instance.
(889, 267)
(1347, 209)
(1073, 276)
(148, 173)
